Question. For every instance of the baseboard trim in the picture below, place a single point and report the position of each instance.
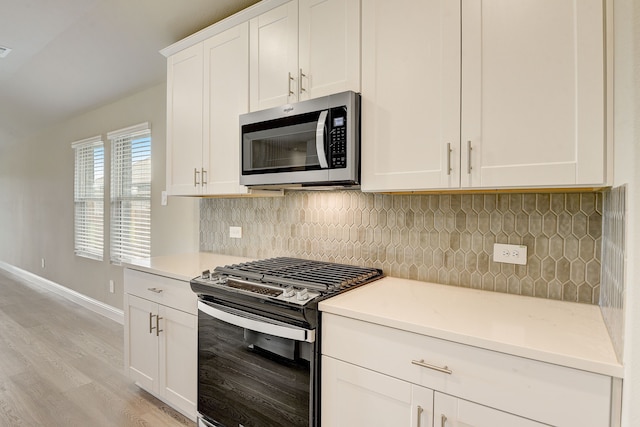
(80, 299)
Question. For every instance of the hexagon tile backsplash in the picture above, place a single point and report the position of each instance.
(442, 238)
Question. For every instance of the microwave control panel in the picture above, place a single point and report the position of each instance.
(338, 138)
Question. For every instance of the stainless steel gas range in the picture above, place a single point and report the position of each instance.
(258, 339)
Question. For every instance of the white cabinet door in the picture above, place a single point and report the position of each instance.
(226, 88)
(354, 396)
(533, 93)
(421, 406)
(453, 412)
(274, 57)
(178, 358)
(184, 121)
(329, 47)
(141, 344)
(410, 94)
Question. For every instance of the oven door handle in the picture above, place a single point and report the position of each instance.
(258, 324)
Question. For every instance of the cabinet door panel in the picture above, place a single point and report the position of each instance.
(533, 93)
(141, 346)
(354, 396)
(329, 51)
(227, 92)
(178, 358)
(410, 94)
(452, 412)
(184, 120)
(274, 54)
(421, 406)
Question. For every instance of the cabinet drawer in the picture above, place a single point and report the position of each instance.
(540, 391)
(163, 290)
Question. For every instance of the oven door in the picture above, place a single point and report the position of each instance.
(253, 371)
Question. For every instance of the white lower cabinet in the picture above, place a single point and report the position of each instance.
(160, 340)
(354, 396)
(374, 375)
(450, 411)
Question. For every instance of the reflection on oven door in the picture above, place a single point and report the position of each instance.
(251, 379)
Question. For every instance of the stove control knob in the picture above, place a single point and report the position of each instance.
(288, 292)
(302, 294)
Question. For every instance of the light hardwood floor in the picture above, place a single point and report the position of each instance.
(62, 365)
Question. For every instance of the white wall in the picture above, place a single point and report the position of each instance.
(626, 162)
(36, 198)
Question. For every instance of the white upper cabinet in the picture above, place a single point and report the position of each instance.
(410, 94)
(533, 93)
(304, 49)
(274, 57)
(482, 94)
(329, 47)
(207, 90)
(226, 89)
(184, 121)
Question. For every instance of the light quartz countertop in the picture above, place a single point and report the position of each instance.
(185, 266)
(558, 332)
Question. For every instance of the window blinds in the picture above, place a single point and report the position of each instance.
(130, 193)
(89, 198)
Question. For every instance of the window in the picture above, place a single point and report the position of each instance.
(88, 198)
(130, 193)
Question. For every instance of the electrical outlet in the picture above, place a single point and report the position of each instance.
(42, 262)
(510, 254)
(112, 286)
(164, 201)
(235, 232)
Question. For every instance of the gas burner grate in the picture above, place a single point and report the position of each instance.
(317, 275)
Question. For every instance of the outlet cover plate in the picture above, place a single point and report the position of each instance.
(235, 232)
(510, 254)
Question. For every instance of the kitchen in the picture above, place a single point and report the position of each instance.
(188, 225)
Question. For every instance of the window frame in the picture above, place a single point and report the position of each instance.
(130, 193)
(88, 200)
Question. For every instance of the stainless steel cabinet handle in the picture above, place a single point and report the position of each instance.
(204, 176)
(420, 411)
(443, 420)
(448, 158)
(469, 149)
(300, 76)
(151, 327)
(421, 362)
(156, 290)
(289, 80)
(158, 330)
(195, 177)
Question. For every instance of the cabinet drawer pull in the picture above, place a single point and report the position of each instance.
(151, 327)
(204, 176)
(448, 158)
(300, 76)
(421, 362)
(195, 177)
(156, 290)
(289, 83)
(158, 330)
(443, 420)
(469, 149)
(420, 411)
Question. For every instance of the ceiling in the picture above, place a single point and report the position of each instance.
(70, 56)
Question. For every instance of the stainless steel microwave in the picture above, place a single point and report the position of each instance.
(306, 144)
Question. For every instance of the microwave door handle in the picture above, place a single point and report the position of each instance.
(322, 156)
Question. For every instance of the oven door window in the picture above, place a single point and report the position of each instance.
(252, 379)
(284, 145)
